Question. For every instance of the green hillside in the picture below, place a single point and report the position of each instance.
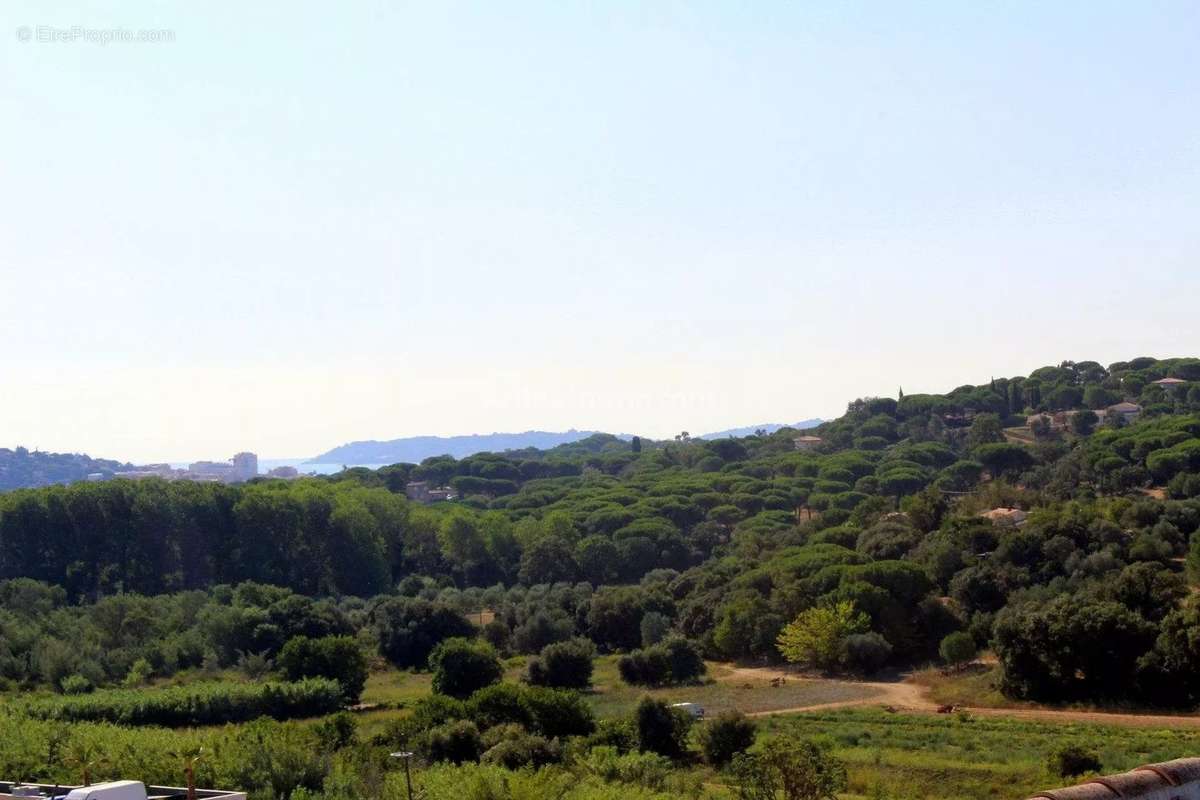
(1050, 518)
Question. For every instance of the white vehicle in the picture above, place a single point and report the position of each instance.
(695, 709)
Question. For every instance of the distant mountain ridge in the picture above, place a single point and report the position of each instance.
(414, 449)
(769, 427)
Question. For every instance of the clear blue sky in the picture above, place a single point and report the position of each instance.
(299, 224)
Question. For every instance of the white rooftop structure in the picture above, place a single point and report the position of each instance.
(112, 790)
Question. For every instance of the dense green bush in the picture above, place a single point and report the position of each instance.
(660, 728)
(673, 661)
(867, 653)
(541, 710)
(726, 735)
(511, 746)
(336, 657)
(1070, 761)
(647, 667)
(957, 649)
(76, 684)
(464, 666)
(799, 769)
(195, 704)
(558, 712)
(456, 741)
(564, 665)
(409, 628)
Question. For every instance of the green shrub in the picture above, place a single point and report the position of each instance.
(654, 628)
(643, 769)
(685, 662)
(139, 674)
(1071, 760)
(512, 747)
(563, 665)
(726, 735)
(618, 734)
(463, 666)
(456, 741)
(675, 660)
(558, 713)
(552, 713)
(647, 667)
(76, 685)
(337, 731)
(660, 728)
(867, 652)
(195, 704)
(499, 704)
(336, 657)
(957, 649)
(427, 713)
(408, 628)
(801, 769)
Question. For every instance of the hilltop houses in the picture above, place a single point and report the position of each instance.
(422, 492)
(1130, 411)
(1014, 517)
(1170, 385)
(1061, 420)
(807, 442)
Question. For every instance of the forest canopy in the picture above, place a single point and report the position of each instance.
(1063, 501)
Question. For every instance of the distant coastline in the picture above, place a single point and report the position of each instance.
(415, 449)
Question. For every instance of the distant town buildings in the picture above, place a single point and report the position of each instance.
(421, 492)
(245, 466)
(239, 469)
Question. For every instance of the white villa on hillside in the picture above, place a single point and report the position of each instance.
(1130, 411)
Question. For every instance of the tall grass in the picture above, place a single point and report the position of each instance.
(910, 756)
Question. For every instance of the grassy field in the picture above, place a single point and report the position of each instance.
(911, 756)
(976, 685)
(721, 691)
(892, 756)
(394, 690)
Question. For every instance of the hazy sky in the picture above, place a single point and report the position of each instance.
(299, 224)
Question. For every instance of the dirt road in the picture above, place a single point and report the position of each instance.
(904, 695)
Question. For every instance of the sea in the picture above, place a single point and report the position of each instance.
(265, 465)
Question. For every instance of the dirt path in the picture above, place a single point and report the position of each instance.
(902, 694)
